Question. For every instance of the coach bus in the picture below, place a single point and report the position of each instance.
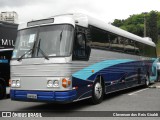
(71, 57)
(8, 32)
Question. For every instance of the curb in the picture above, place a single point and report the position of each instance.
(154, 87)
(158, 87)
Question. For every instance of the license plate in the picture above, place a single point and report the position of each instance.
(32, 96)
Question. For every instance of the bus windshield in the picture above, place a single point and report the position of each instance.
(53, 40)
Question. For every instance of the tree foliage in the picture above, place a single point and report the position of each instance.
(152, 26)
(135, 24)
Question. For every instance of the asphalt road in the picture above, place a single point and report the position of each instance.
(137, 99)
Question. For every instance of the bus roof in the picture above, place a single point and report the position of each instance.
(86, 20)
(89, 20)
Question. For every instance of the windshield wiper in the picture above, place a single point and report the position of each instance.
(61, 34)
(44, 55)
(30, 50)
(20, 58)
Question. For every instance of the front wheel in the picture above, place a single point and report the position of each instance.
(97, 93)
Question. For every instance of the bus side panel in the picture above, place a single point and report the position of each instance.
(117, 75)
(84, 88)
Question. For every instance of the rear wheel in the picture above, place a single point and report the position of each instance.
(158, 76)
(97, 92)
(147, 81)
(2, 91)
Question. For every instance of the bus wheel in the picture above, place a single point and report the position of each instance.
(147, 81)
(97, 93)
(2, 91)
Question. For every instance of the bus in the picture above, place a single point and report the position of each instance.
(71, 57)
(8, 32)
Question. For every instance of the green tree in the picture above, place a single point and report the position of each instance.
(118, 23)
(135, 24)
(158, 22)
(152, 26)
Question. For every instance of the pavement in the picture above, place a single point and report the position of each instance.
(135, 99)
(155, 85)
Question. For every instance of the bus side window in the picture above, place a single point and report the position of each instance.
(139, 48)
(81, 48)
(130, 47)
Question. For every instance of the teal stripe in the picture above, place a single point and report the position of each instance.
(87, 72)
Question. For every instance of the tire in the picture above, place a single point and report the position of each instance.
(2, 91)
(147, 81)
(97, 92)
(158, 76)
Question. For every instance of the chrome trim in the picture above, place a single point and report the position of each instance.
(85, 93)
(124, 89)
(82, 99)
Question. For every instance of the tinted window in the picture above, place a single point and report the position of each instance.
(139, 48)
(117, 42)
(153, 52)
(149, 51)
(129, 46)
(99, 38)
(81, 50)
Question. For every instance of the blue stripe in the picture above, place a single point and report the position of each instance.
(61, 96)
(3, 61)
(87, 72)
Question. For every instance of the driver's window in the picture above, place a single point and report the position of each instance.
(79, 51)
(80, 48)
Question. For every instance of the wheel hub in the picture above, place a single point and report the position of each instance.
(98, 90)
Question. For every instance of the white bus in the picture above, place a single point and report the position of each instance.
(72, 57)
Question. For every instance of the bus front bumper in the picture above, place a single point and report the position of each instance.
(44, 96)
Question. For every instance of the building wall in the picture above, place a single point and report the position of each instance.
(11, 17)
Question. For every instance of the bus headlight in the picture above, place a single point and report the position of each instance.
(18, 83)
(49, 83)
(56, 83)
(15, 83)
(52, 83)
